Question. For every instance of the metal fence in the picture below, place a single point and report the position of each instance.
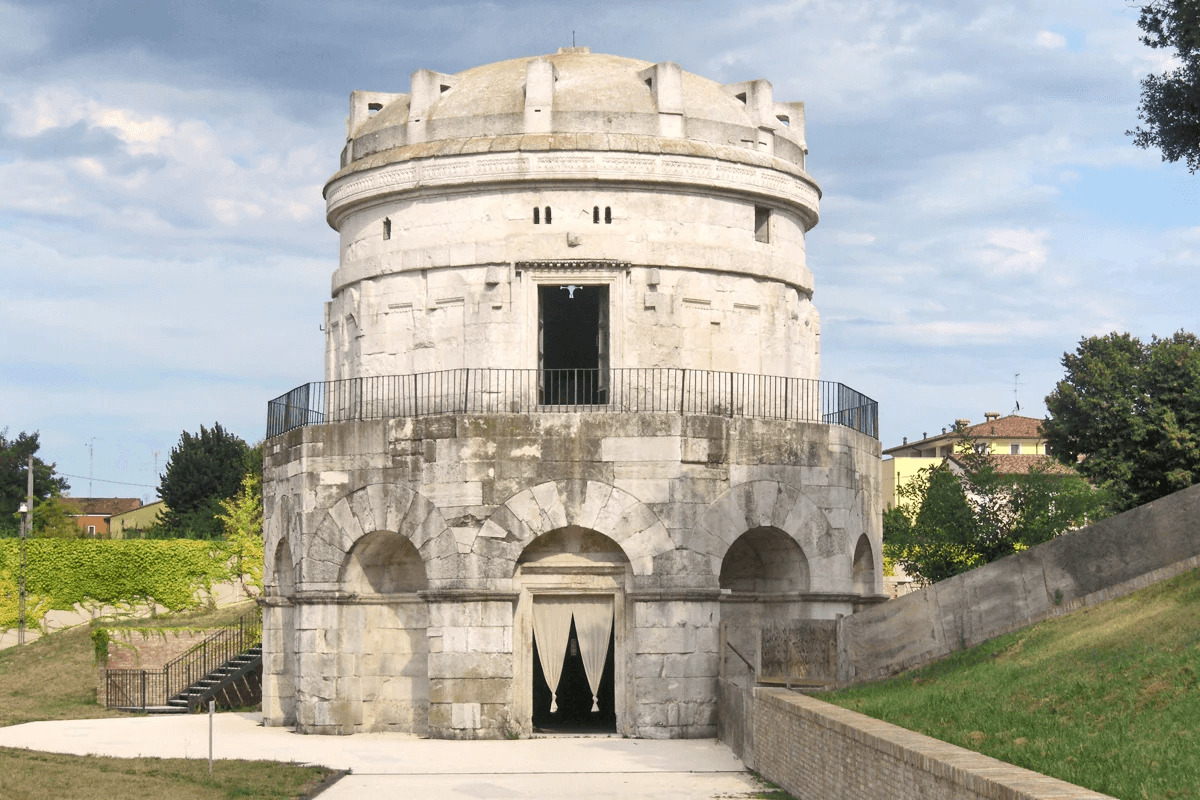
(520, 391)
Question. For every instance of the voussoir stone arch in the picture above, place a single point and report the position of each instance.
(761, 504)
(278, 527)
(594, 505)
(376, 507)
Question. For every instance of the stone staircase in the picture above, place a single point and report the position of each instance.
(225, 667)
(237, 682)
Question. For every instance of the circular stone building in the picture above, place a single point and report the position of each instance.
(572, 422)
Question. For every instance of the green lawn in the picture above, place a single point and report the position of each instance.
(55, 678)
(30, 775)
(1107, 697)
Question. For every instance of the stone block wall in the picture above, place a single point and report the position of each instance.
(279, 669)
(463, 499)
(818, 751)
(470, 668)
(1109, 559)
(675, 646)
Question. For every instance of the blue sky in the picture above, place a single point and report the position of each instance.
(165, 257)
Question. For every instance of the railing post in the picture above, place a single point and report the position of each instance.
(467, 391)
(787, 384)
(143, 689)
(682, 389)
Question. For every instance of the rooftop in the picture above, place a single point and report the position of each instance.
(103, 506)
(572, 100)
(994, 426)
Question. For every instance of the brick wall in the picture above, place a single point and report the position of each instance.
(818, 751)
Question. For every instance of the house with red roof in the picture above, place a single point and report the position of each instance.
(94, 514)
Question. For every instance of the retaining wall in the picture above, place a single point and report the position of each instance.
(1109, 559)
(818, 751)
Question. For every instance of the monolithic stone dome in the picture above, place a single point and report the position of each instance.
(574, 100)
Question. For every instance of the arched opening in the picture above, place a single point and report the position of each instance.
(284, 580)
(280, 637)
(383, 563)
(386, 640)
(862, 573)
(764, 560)
(573, 580)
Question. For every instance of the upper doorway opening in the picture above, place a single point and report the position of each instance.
(573, 344)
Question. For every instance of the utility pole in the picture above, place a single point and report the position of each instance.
(26, 527)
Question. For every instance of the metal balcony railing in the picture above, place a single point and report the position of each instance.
(609, 391)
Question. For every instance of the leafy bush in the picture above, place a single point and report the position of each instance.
(61, 573)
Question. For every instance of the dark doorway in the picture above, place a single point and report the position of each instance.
(575, 713)
(573, 344)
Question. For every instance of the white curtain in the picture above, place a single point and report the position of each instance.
(552, 627)
(593, 624)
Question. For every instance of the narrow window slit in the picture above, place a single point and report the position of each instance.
(762, 224)
(537, 212)
(608, 215)
(387, 228)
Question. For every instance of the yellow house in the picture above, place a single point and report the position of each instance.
(131, 524)
(1016, 441)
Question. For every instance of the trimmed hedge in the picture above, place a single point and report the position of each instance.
(61, 573)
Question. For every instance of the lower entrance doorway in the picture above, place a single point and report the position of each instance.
(572, 707)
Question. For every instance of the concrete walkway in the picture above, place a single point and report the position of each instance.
(391, 765)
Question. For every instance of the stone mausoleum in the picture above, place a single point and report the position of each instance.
(571, 422)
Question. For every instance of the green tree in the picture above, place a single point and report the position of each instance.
(930, 533)
(1170, 105)
(963, 513)
(201, 471)
(52, 519)
(1127, 415)
(14, 455)
(242, 521)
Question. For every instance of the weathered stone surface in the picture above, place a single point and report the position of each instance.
(508, 498)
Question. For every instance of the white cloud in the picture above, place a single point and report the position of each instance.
(1050, 40)
(1014, 250)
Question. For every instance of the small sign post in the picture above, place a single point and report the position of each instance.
(212, 704)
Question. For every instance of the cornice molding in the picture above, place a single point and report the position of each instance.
(633, 170)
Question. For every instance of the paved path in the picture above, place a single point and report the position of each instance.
(391, 765)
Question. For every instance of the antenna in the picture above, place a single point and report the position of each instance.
(1016, 387)
(156, 475)
(572, 38)
(91, 445)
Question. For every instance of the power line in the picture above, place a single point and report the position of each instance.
(102, 480)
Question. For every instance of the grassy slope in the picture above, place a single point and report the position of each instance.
(55, 678)
(1106, 698)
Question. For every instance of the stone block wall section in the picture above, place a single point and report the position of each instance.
(1110, 559)
(818, 751)
(448, 654)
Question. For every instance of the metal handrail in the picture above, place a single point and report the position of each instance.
(184, 670)
(143, 688)
(523, 391)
